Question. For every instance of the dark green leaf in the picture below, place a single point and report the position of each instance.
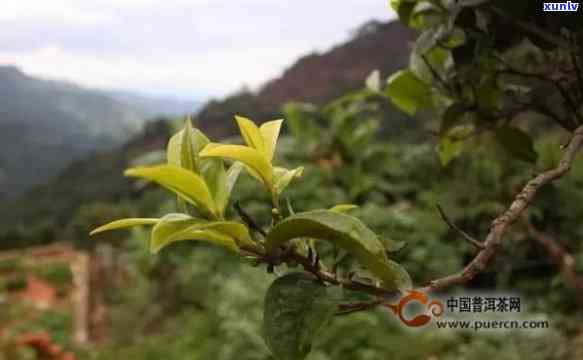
(518, 143)
(452, 116)
(403, 8)
(408, 93)
(348, 233)
(297, 308)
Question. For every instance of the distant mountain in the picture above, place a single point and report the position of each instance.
(156, 106)
(45, 125)
(318, 78)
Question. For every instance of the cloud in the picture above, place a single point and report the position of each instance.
(182, 47)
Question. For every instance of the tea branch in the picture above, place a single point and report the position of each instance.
(500, 225)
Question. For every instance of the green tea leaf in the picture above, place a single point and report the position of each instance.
(404, 8)
(373, 81)
(215, 176)
(270, 133)
(186, 184)
(348, 233)
(231, 177)
(342, 208)
(408, 93)
(120, 224)
(518, 143)
(184, 146)
(297, 309)
(179, 227)
(283, 177)
(247, 155)
(448, 149)
(251, 134)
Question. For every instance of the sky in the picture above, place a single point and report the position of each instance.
(192, 49)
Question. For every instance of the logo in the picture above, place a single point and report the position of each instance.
(561, 6)
(433, 308)
(475, 312)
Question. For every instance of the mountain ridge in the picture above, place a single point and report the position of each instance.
(47, 124)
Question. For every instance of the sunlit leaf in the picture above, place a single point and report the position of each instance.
(342, 208)
(348, 233)
(373, 81)
(222, 198)
(297, 309)
(251, 134)
(283, 177)
(247, 155)
(408, 93)
(270, 133)
(215, 176)
(179, 227)
(184, 146)
(125, 223)
(186, 184)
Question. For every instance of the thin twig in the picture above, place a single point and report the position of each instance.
(290, 256)
(501, 224)
(464, 234)
(248, 219)
(435, 74)
(557, 84)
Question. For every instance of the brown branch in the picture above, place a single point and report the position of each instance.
(289, 256)
(464, 234)
(502, 222)
(332, 279)
(247, 219)
(558, 254)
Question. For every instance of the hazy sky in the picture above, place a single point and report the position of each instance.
(174, 47)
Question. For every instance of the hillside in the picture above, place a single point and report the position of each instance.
(314, 78)
(47, 124)
(317, 78)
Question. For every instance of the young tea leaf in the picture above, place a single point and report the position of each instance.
(186, 184)
(270, 133)
(297, 308)
(251, 134)
(121, 224)
(178, 227)
(184, 146)
(342, 208)
(283, 177)
(247, 155)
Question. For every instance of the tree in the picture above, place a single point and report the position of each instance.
(495, 67)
